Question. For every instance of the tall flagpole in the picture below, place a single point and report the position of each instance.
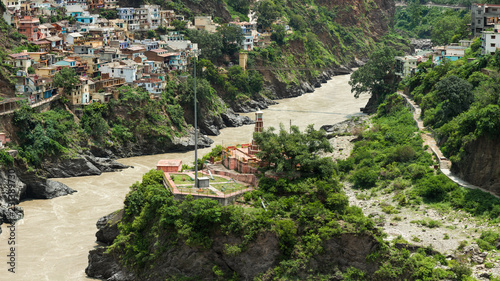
(195, 132)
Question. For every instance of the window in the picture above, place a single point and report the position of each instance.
(492, 45)
(479, 21)
(493, 36)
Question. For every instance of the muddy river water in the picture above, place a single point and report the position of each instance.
(55, 236)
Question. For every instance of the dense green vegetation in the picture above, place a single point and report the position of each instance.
(376, 77)
(459, 101)
(390, 154)
(305, 211)
(295, 154)
(442, 25)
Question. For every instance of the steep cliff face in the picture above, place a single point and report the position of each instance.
(259, 258)
(480, 164)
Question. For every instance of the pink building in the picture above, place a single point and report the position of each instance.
(28, 26)
(243, 159)
(169, 165)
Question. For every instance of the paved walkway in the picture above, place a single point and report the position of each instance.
(444, 163)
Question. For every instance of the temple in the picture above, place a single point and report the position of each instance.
(242, 158)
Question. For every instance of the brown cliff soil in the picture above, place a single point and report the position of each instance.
(480, 164)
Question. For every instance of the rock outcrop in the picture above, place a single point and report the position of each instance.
(148, 147)
(346, 127)
(108, 227)
(212, 124)
(422, 44)
(480, 164)
(261, 256)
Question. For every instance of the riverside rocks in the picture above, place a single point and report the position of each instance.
(212, 124)
(346, 127)
(108, 227)
(280, 90)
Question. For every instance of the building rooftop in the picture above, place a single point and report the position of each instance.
(135, 48)
(169, 163)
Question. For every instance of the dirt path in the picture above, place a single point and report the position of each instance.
(444, 163)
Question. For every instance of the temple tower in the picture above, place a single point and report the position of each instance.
(259, 125)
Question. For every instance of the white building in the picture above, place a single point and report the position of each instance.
(117, 70)
(405, 66)
(490, 41)
(73, 37)
(152, 85)
(126, 14)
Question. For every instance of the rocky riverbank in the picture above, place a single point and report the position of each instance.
(260, 256)
(449, 232)
(279, 90)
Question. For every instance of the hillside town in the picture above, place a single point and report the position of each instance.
(485, 24)
(105, 54)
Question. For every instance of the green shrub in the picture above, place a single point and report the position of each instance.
(488, 239)
(365, 178)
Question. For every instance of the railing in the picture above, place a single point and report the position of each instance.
(44, 101)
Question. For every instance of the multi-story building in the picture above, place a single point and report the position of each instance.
(152, 85)
(141, 16)
(153, 16)
(490, 41)
(405, 66)
(117, 70)
(20, 60)
(126, 14)
(247, 30)
(110, 4)
(95, 4)
(484, 16)
(160, 55)
(81, 94)
(28, 26)
(148, 44)
(35, 87)
(451, 52)
(120, 44)
(82, 3)
(48, 71)
(166, 17)
(205, 23)
(134, 51)
(172, 36)
(74, 38)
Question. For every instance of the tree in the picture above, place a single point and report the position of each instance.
(278, 34)
(93, 122)
(179, 24)
(67, 79)
(151, 34)
(108, 14)
(240, 6)
(232, 36)
(444, 30)
(267, 13)
(209, 44)
(374, 77)
(456, 95)
(298, 23)
(294, 153)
